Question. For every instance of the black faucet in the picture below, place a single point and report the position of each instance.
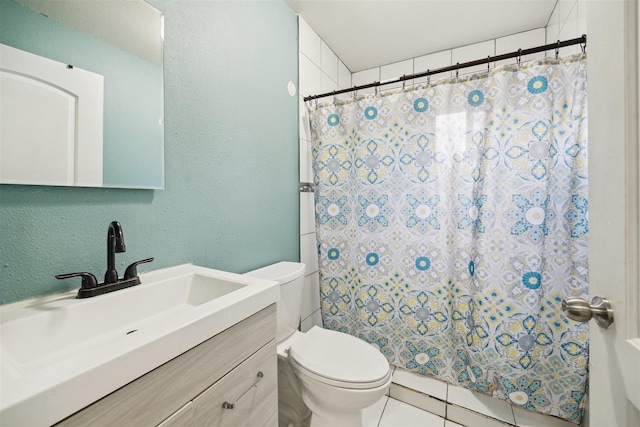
(115, 244)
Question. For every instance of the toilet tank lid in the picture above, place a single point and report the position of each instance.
(282, 272)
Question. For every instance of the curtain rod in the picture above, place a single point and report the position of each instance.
(516, 54)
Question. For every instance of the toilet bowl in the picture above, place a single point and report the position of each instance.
(325, 377)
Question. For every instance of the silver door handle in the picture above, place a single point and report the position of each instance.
(581, 311)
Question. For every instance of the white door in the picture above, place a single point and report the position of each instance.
(51, 121)
(612, 48)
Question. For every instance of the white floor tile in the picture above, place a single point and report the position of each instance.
(371, 415)
(421, 383)
(465, 417)
(526, 418)
(399, 414)
(449, 423)
(486, 405)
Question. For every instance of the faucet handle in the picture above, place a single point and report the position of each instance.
(132, 270)
(88, 279)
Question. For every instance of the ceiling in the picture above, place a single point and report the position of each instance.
(370, 33)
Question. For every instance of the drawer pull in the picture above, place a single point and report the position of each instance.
(227, 405)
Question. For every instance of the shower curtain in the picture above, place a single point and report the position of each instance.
(452, 221)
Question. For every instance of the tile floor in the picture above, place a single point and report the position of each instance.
(418, 401)
(389, 412)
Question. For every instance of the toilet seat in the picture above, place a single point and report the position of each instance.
(338, 359)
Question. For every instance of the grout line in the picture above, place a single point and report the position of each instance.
(383, 409)
(446, 406)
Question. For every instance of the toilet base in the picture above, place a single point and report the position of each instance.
(292, 411)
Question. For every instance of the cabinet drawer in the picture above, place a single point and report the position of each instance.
(253, 405)
(152, 398)
(182, 418)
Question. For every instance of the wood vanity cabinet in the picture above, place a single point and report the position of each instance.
(190, 390)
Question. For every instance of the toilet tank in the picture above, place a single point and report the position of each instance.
(290, 275)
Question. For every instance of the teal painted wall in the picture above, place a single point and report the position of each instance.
(231, 199)
(132, 92)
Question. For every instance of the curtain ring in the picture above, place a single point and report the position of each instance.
(488, 64)
(457, 69)
(583, 45)
(403, 81)
(519, 59)
(334, 97)
(377, 87)
(558, 50)
(428, 77)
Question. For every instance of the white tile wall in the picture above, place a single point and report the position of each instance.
(310, 79)
(564, 10)
(471, 53)
(329, 63)
(307, 224)
(320, 71)
(568, 21)
(310, 44)
(314, 320)
(365, 77)
(431, 62)
(553, 28)
(523, 40)
(328, 85)
(569, 31)
(344, 76)
(393, 71)
(582, 17)
(311, 295)
(309, 252)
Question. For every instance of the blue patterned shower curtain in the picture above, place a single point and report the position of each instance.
(452, 221)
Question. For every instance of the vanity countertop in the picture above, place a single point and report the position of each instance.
(60, 354)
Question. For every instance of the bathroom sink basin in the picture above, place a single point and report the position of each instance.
(60, 354)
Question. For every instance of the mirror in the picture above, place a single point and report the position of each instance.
(121, 42)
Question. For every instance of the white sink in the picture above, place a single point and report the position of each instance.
(60, 354)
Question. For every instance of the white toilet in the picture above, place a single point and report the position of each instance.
(336, 375)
